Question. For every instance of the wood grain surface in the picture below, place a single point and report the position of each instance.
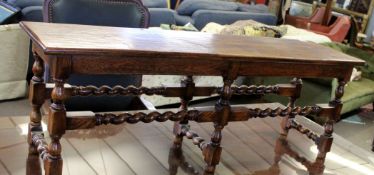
(150, 43)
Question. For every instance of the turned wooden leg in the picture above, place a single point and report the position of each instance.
(212, 150)
(286, 121)
(326, 139)
(56, 128)
(179, 126)
(36, 97)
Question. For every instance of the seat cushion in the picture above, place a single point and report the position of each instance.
(26, 3)
(188, 7)
(161, 16)
(155, 3)
(182, 19)
(357, 94)
(32, 13)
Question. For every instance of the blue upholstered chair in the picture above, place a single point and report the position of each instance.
(31, 10)
(119, 13)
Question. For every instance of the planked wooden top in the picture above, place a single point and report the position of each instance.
(147, 43)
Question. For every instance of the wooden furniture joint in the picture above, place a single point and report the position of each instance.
(79, 49)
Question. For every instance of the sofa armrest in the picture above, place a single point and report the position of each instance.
(32, 13)
(161, 16)
(26, 3)
(203, 17)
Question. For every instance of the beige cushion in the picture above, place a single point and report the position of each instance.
(14, 47)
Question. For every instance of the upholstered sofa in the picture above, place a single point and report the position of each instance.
(201, 12)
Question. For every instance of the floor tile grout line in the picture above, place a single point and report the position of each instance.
(12, 145)
(119, 156)
(102, 158)
(166, 168)
(5, 167)
(84, 159)
(247, 145)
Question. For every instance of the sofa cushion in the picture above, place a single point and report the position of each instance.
(357, 93)
(203, 17)
(26, 3)
(155, 3)
(188, 7)
(160, 16)
(32, 13)
(259, 8)
(14, 61)
(182, 19)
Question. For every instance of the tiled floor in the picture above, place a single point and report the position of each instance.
(145, 149)
(358, 128)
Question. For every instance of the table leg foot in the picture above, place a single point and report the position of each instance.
(36, 98)
(212, 154)
(33, 164)
(53, 166)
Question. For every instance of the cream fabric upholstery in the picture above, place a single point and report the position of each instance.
(14, 48)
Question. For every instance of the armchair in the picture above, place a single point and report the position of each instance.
(120, 13)
(302, 22)
(337, 31)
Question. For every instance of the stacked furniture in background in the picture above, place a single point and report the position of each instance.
(201, 12)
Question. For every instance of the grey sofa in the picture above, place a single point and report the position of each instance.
(201, 12)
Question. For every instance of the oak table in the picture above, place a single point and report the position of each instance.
(81, 49)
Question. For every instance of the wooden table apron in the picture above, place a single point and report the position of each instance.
(167, 65)
(76, 61)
